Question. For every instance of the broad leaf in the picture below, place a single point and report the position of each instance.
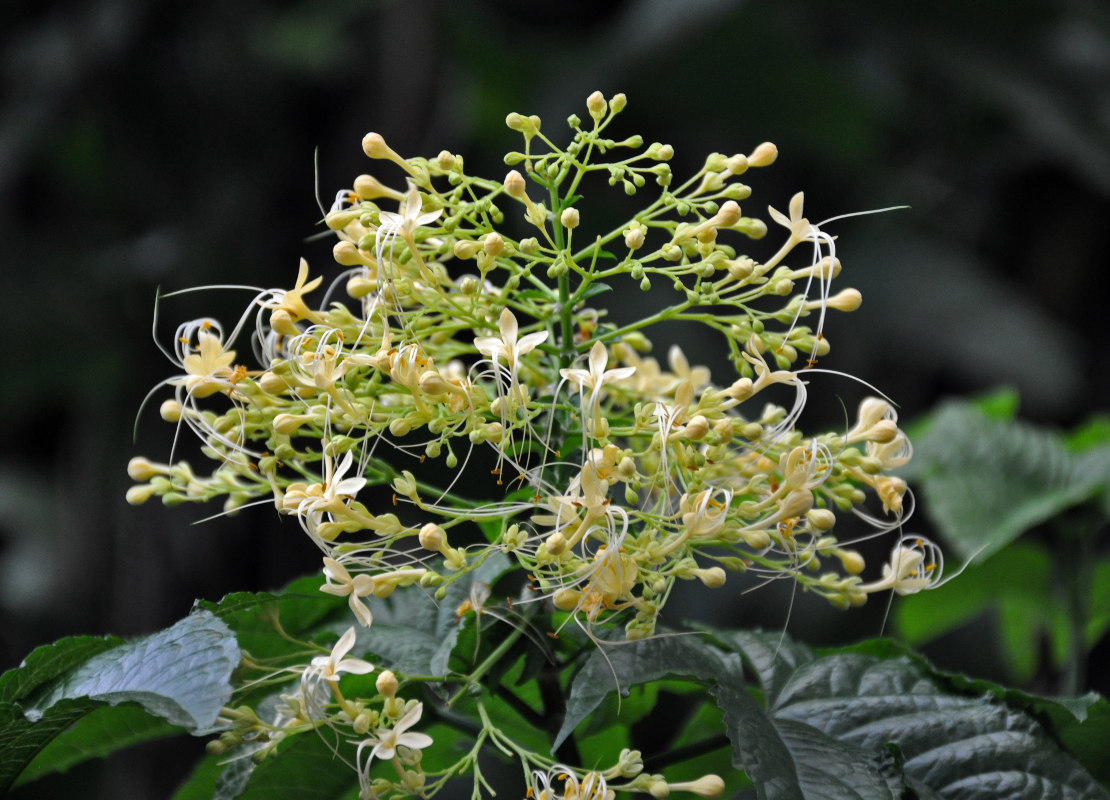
(986, 481)
(415, 636)
(784, 762)
(959, 738)
(180, 675)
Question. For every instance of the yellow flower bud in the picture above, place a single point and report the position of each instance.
(140, 469)
(347, 254)
(763, 156)
(170, 411)
(514, 184)
(466, 248)
(373, 144)
(370, 188)
(137, 495)
(493, 244)
(433, 537)
(845, 300)
(566, 599)
(634, 237)
(712, 577)
(570, 218)
(708, 786)
(821, 519)
(386, 684)
(597, 105)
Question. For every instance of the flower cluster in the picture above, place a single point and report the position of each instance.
(455, 391)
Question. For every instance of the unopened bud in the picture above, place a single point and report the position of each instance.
(597, 105)
(433, 537)
(845, 300)
(493, 244)
(373, 144)
(514, 184)
(570, 218)
(386, 684)
(170, 411)
(141, 469)
(763, 156)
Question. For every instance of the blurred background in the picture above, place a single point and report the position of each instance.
(148, 143)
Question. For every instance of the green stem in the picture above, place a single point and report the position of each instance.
(1076, 569)
(487, 664)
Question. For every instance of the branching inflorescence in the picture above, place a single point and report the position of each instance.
(462, 335)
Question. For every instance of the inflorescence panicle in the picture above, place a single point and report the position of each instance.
(462, 330)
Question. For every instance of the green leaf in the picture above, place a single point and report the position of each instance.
(181, 674)
(300, 608)
(784, 762)
(417, 637)
(958, 737)
(985, 481)
(306, 769)
(101, 732)
(49, 661)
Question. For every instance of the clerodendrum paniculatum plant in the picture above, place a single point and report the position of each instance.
(505, 486)
(455, 330)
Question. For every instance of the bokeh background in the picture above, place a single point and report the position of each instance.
(149, 143)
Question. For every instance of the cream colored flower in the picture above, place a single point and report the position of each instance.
(340, 583)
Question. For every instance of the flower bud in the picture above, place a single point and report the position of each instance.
(728, 215)
(370, 188)
(170, 411)
(566, 599)
(763, 156)
(708, 786)
(845, 300)
(141, 469)
(373, 144)
(386, 684)
(821, 519)
(137, 495)
(597, 105)
(514, 184)
(493, 244)
(346, 254)
(617, 103)
(433, 537)
(556, 543)
(570, 218)
(712, 578)
(737, 164)
(634, 237)
(445, 161)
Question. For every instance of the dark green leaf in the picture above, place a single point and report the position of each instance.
(957, 736)
(181, 674)
(416, 636)
(99, 733)
(49, 661)
(984, 481)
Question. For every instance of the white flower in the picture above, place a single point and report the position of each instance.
(385, 741)
(326, 669)
(915, 564)
(509, 346)
(595, 378)
(341, 583)
(409, 216)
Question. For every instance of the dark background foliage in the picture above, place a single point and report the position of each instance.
(148, 143)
